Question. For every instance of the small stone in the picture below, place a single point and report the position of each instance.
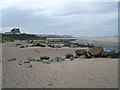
(12, 59)
(83, 57)
(71, 58)
(46, 61)
(44, 57)
(69, 55)
(22, 46)
(56, 59)
(27, 65)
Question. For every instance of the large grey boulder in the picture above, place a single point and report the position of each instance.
(96, 51)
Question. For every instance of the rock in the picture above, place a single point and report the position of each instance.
(27, 65)
(18, 44)
(90, 46)
(22, 46)
(56, 59)
(113, 54)
(33, 59)
(44, 57)
(81, 52)
(51, 45)
(71, 58)
(83, 57)
(96, 51)
(104, 54)
(12, 59)
(38, 44)
(58, 46)
(61, 59)
(46, 61)
(76, 56)
(23, 62)
(69, 55)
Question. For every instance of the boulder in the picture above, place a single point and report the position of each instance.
(83, 57)
(46, 61)
(69, 55)
(12, 59)
(22, 46)
(27, 65)
(41, 45)
(44, 57)
(52, 46)
(33, 59)
(56, 59)
(81, 52)
(113, 54)
(23, 62)
(104, 54)
(96, 51)
(71, 58)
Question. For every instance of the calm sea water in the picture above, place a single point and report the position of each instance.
(106, 47)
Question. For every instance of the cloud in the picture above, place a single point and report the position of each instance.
(60, 17)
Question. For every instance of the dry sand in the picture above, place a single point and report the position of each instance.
(79, 73)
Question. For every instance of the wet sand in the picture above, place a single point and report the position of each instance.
(79, 73)
(106, 40)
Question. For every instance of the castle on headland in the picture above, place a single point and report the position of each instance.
(14, 31)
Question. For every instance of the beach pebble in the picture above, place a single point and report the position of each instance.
(68, 55)
(12, 59)
(46, 61)
(44, 57)
(27, 65)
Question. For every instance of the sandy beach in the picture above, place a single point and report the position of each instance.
(79, 73)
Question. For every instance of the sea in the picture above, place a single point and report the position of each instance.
(106, 47)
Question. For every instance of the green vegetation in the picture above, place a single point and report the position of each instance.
(13, 37)
(6, 39)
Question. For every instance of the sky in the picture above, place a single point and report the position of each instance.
(62, 17)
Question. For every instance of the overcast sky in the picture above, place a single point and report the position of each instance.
(61, 17)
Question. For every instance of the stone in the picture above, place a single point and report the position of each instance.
(61, 59)
(33, 59)
(69, 55)
(71, 58)
(52, 46)
(56, 59)
(46, 61)
(23, 62)
(81, 52)
(38, 44)
(58, 46)
(22, 46)
(12, 59)
(113, 54)
(27, 65)
(96, 51)
(104, 54)
(83, 57)
(44, 57)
